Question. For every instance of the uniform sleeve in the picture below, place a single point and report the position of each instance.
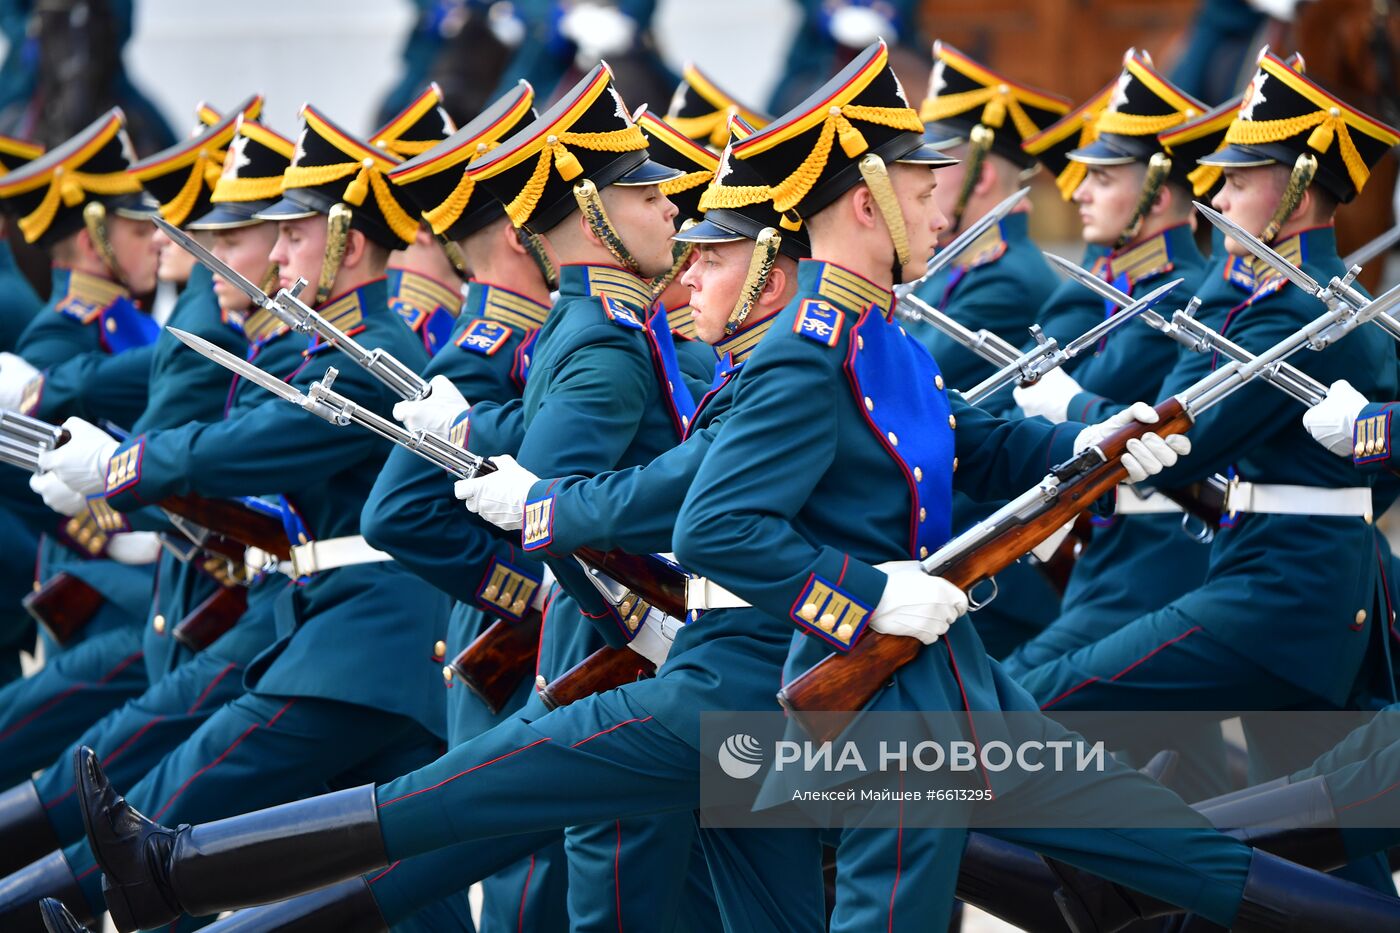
(97, 385)
(52, 338)
(274, 447)
(1372, 450)
(493, 428)
(632, 510)
(998, 459)
(736, 524)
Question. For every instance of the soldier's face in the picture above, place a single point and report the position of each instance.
(716, 279)
(246, 250)
(175, 262)
(914, 187)
(1106, 199)
(645, 219)
(300, 249)
(135, 249)
(1249, 197)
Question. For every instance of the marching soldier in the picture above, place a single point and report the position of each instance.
(80, 204)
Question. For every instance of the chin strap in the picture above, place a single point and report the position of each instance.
(680, 255)
(337, 236)
(534, 248)
(454, 255)
(270, 279)
(877, 178)
(1302, 175)
(765, 254)
(979, 143)
(1158, 168)
(590, 202)
(95, 220)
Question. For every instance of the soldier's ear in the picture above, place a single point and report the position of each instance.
(863, 205)
(356, 248)
(776, 283)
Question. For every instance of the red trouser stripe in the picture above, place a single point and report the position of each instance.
(222, 755)
(1169, 642)
(122, 665)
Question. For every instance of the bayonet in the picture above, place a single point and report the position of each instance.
(301, 317)
(991, 347)
(962, 241)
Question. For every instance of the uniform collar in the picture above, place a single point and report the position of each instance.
(259, 327)
(1251, 274)
(1153, 255)
(83, 295)
(842, 287)
(506, 306)
(348, 310)
(992, 244)
(611, 281)
(416, 297)
(738, 345)
(681, 322)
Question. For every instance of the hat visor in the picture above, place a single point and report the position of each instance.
(707, 231)
(285, 209)
(1100, 152)
(647, 173)
(134, 207)
(1235, 156)
(940, 136)
(229, 215)
(926, 154)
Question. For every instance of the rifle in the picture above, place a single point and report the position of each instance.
(218, 613)
(959, 244)
(224, 526)
(64, 605)
(493, 665)
(825, 698)
(602, 670)
(650, 578)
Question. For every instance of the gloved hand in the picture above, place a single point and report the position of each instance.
(599, 30)
(15, 374)
(1049, 396)
(82, 462)
(57, 494)
(1145, 457)
(134, 547)
(1332, 421)
(855, 27)
(915, 604)
(498, 497)
(435, 413)
(542, 591)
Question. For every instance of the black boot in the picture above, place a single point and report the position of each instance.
(1280, 897)
(25, 831)
(21, 891)
(1010, 883)
(57, 919)
(153, 874)
(348, 907)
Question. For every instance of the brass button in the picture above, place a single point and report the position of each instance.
(490, 592)
(518, 606)
(860, 342)
(923, 514)
(894, 441)
(869, 405)
(1368, 518)
(158, 623)
(923, 552)
(918, 474)
(845, 632)
(111, 325)
(938, 382)
(955, 464)
(827, 621)
(440, 648)
(953, 422)
(1360, 616)
(447, 674)
(808, 611)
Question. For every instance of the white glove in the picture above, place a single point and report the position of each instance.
(915, 604)
(1145, 457)
(855, 27)
(82, 462)
(1332, 421)
(598, 30)
(1049, 395)
(134, 547)
(1281, 10)
(499, 496)
(435, 413)
(15, 374)
(542, 591)
(57, 495)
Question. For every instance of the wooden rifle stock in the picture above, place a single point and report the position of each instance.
(234, 520)
(1058, 568)
(602, 670)
(211, 618)
(825, 698)
(63, 605)
(493, 665)
(655, 581)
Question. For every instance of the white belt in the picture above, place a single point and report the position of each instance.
(1133, 502)
(653, 640)
(315, 556)
(704, 593)
(1277, 499)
